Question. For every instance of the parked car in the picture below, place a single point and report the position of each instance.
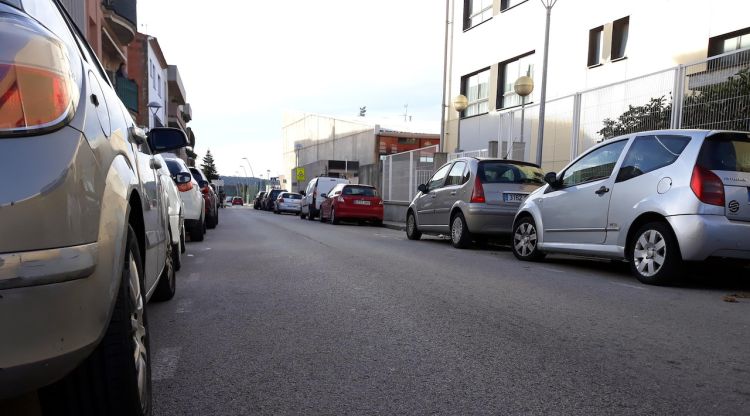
(191, 195)
(176, 209)
(258, 199)
(209, 195)
(270, 198)
(352, 202)
(287, 202)
(655, 199)
(228, 201)
(85, 227)
(237, 201)
(311, 201)
(471, 199)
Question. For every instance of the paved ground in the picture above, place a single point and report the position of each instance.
(280, 316)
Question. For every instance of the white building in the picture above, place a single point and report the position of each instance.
(157, 84)
(593, 43)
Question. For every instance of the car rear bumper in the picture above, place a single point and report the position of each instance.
(54, 305)
(374, 212)
(704, 236)
(487, 219)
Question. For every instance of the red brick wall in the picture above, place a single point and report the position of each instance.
(138, 72)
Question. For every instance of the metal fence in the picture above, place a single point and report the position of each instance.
(471, 153)
(403, 172)
(711, 94)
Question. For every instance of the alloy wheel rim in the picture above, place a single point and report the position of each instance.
(650, 253)
(457, 229)
(524, 239)
(138, 330)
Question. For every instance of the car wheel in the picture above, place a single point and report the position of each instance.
(176, 257)
(212, 220)
(302, 216)
(334, 220)
(116, 378)
(168, 280)
(525, 240)
(311, 215)
(182, 241)
(653, 254)
(377, 223)
(460, 235)
(412, 232)
(197, 231)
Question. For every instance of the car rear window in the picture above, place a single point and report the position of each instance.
(292, 196)
(359, 191)
(504, 172)
(728, 152)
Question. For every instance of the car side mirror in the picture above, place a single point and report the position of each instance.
(182, 177)
(551, 179)
(324, 196)
(164, 139)
(423, 189)
(302, 193)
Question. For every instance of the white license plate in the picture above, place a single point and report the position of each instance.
(360, 202)
(514, 197)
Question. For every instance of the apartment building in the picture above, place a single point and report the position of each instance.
(592, 44)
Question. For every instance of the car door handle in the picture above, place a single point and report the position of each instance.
(453, 193)
(432, 196)
(603, 190)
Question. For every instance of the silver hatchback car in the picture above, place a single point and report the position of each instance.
(472, 198)
(654, 198)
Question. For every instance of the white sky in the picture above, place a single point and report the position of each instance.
(243, 63)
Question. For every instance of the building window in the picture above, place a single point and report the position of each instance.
(159, 84)
(730, 42)
(620, 29)
(476, 89)
(509, 72)
(476, 12)
(507, 4)
(596, 41)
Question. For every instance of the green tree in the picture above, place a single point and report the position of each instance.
(723, 105)
(209, 167)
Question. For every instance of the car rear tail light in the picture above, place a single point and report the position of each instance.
(184, 187)
(37, 89)
(707, 186)
(205, 190)
(477, 194)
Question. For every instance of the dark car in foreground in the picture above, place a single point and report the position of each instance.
(258, 201)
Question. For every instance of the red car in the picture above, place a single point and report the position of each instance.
(237, 201)
(352, 202)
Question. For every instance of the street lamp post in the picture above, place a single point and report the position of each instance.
(460, 102)
(244, 194)
(523, 87)
(548, 4)
(154, 106)
(251, 171)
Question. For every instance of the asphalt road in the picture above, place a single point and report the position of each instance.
(275, 315)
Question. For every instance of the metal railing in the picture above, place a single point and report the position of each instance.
(127, 90)
(710, 94)
(471, 153)
(403, 172)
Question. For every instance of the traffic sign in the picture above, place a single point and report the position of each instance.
(300, 174)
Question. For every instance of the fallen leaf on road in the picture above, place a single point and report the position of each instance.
(729, 298)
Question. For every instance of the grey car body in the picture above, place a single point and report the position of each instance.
(598, 203)
(447, 203)
(77, 187)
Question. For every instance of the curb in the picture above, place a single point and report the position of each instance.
(394, 225)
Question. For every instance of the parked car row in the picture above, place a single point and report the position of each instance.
(655, 199)
(94, 222)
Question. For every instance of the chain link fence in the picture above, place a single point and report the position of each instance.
(403, 172)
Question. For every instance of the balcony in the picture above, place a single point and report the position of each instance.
(127, 90)
(122, 17)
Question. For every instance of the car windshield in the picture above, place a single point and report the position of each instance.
(359, 191)
(505, 172)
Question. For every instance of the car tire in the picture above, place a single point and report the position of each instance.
(460, 235)
(377, 223)
(654, 255)
(197, 231)
(302, 216)
(333, 219)
(524, 240)
(176, 257)
(183, 248)
(311, 215)
(212, 220)
(167, 285)
(111, 381)
(412, 231)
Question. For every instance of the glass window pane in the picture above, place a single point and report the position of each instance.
(649, 153)
(597, 165)
(438, 178)
(729, 45)
(455, 177)
(745, 41)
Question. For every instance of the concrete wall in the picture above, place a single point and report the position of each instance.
(395, 211)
